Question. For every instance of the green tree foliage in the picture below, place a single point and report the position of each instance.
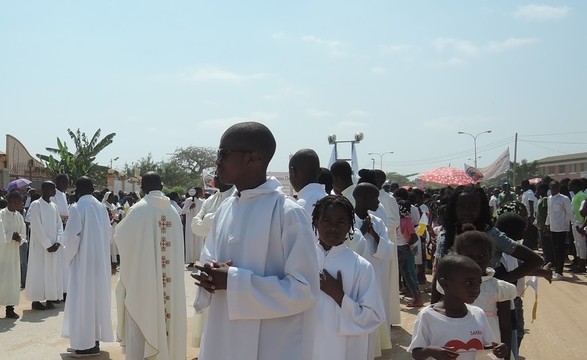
(81, 161)
(402, 180)
(194, 159)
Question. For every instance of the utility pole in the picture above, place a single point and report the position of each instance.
(515, 160)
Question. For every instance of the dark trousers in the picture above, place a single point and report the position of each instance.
(24, 260)
(547, 247)
(559, 241)
(405, 259)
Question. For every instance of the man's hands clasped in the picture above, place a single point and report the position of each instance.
(212, 276)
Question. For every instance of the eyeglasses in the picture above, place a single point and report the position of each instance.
(223, 153)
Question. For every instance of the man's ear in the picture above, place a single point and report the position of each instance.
(254, 157)
(443, 282)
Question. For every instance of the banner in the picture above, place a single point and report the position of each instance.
(354, 163)
(473, 172)
(332, 157)
(498, 167)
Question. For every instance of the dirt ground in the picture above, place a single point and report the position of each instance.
(559, 332)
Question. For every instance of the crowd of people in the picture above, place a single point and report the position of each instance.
(321, 275)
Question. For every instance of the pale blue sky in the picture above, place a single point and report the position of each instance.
(407, 74)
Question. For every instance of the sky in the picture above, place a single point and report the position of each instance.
(409, 75)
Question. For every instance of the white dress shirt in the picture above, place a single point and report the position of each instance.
(560, 213)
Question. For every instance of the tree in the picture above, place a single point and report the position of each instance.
(400, 179)
(194, 159)
(82, 161)
(524, 170)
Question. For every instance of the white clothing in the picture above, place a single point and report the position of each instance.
(176, 206)
(493, 291)
(348, 193)
(345, 328)
(580, 243)
(151, 289)
(379, 255)
(464, 335)
(494, 202)
(528, 196)
(60, 200)
(87, 316)
(202, 223)
(267, 311)
(560, 214)
(44, 279)
(309, 195)
(193, 243)
(10, 222)
(393, 218)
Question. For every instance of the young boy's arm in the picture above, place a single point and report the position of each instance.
(505, 323)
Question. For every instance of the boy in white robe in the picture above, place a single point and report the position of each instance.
(150, 295)
(12, 235)
(44, 279)
(260, 273)
(350, 306)
(87, 319)
(378, 250)
(304, 170)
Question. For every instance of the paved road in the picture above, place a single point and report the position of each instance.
(560, 332)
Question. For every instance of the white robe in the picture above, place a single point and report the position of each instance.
(193, 243)
(309, 195)
(12, 222)
(151, 290)
(60, 200)
(87, 315)
(44, 279)
(379, 255)
(392, 222)
(202, 222)
(267, 311)
(342, 331)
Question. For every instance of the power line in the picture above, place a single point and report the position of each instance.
(555, 142)
(559, 134)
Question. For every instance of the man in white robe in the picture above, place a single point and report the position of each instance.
(150, 295)
(260, 277)
(45, 271)
(378, 250)
(304, 170)
(88, 319)
(193, 242)
(12, 235)
(60, 199)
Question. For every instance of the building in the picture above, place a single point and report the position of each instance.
(570, 166)
(17, 162)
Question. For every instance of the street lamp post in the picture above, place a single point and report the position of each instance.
(474, 141)
(373, 161)
(380, 157)
(333, 141)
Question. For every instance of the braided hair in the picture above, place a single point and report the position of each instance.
(331, 201)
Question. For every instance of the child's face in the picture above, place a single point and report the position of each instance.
(334, 226)
(16, 204)
(478, 254)
(468, 208)
(370, 201)
(463, 285)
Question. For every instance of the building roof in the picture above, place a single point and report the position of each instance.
(560, 158)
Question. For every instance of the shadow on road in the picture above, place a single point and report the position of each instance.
(36, 316)
(7, 324)
(104, 355)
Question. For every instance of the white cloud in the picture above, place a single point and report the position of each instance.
(452, 62)
(354, 125)
(334, 48)
(219, 74)
(223, 123)
(318, 114)
(278, 36)
(540, 12)
(386, 48)
(378, 70)
(469, 48)
(442, 123)
(496, 47)
(358, 114)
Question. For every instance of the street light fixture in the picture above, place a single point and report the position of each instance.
(380, 157)
(373, 160)
(474, 141)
